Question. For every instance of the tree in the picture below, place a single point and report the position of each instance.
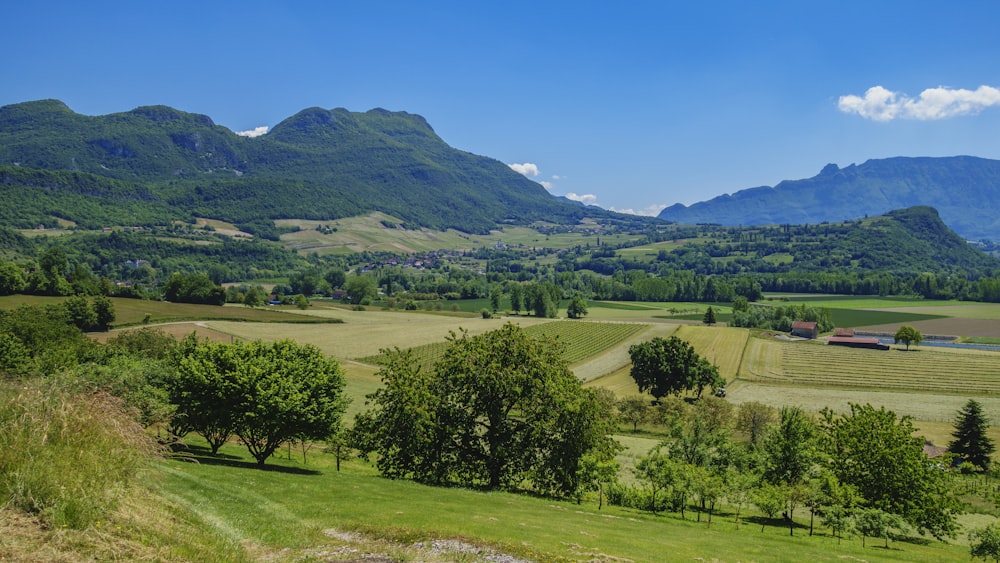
(634, 410)
(667, 366)
(498, 410)
(265, 393)
(301, 302)
(985, 542)
(789, 449)
(709, 317)
(495, 294)
(360, 289)
(769, 499)
(104, 310)
(11, 278)
(878, 454)
(753, 418)
(876, 523)
(970, 442)
(81, 312)
(908, 335)
(254, 297)
(516, 291)
(577, 307)
(659, 472)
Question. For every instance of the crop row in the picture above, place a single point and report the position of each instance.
(811, 365)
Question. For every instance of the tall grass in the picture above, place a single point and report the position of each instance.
(66, 457)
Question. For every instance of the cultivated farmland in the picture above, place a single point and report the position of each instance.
(582, 340)
(808, 364)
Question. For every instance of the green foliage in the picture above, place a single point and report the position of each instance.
(781, 317)
(193, 288)
(267, 394)
(155, 165)
(498, 410)
(970, 442)
(47, 335)
(11, 278)
(668, 366)
(361, 289)
(66, 457)
(876, 523)
(985, 542)
(789, 449)
(709, 317)
(908, 335)
(577, 307)
(753, 418)
(877, 453)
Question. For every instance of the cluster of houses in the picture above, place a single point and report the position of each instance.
(841, 336)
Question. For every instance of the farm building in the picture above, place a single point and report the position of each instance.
(852, 342)
(844, 332)
(805, 329)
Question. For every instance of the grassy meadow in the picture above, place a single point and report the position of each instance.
(308, 511)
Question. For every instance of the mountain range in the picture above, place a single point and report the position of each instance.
(156, 164)
(965, 190)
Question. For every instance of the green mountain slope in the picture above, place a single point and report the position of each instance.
(907, 241)
(156, 164)
(965, 190)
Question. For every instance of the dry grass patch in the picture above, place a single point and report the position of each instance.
(722, 346)
(366, 333)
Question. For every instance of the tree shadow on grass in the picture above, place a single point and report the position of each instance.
(204, 456)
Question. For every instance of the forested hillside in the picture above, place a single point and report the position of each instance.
(155, 164)
(964, 189)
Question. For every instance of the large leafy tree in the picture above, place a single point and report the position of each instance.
(876, 452)
(669, 366)
(498, 410)
(790, 448)
(908, 335)
(970, 440)
(265, 393)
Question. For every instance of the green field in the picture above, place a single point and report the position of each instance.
(130, 312)
(296, 511)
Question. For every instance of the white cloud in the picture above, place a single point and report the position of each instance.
(254, 132)
(881, 104)
(547, 185)
(528, 168)
(587, 199)
(649, 211)
(556, 177)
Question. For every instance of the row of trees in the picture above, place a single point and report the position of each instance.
(863, 469)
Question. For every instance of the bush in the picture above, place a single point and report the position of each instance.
(65, 457)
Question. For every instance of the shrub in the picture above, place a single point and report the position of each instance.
(65, 457)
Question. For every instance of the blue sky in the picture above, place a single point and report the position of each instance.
(628, 105)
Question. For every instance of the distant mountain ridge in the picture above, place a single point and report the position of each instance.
(965, 190)
(155, 164)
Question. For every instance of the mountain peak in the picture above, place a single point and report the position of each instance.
(964, 190)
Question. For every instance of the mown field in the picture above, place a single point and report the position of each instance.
(581, 339)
